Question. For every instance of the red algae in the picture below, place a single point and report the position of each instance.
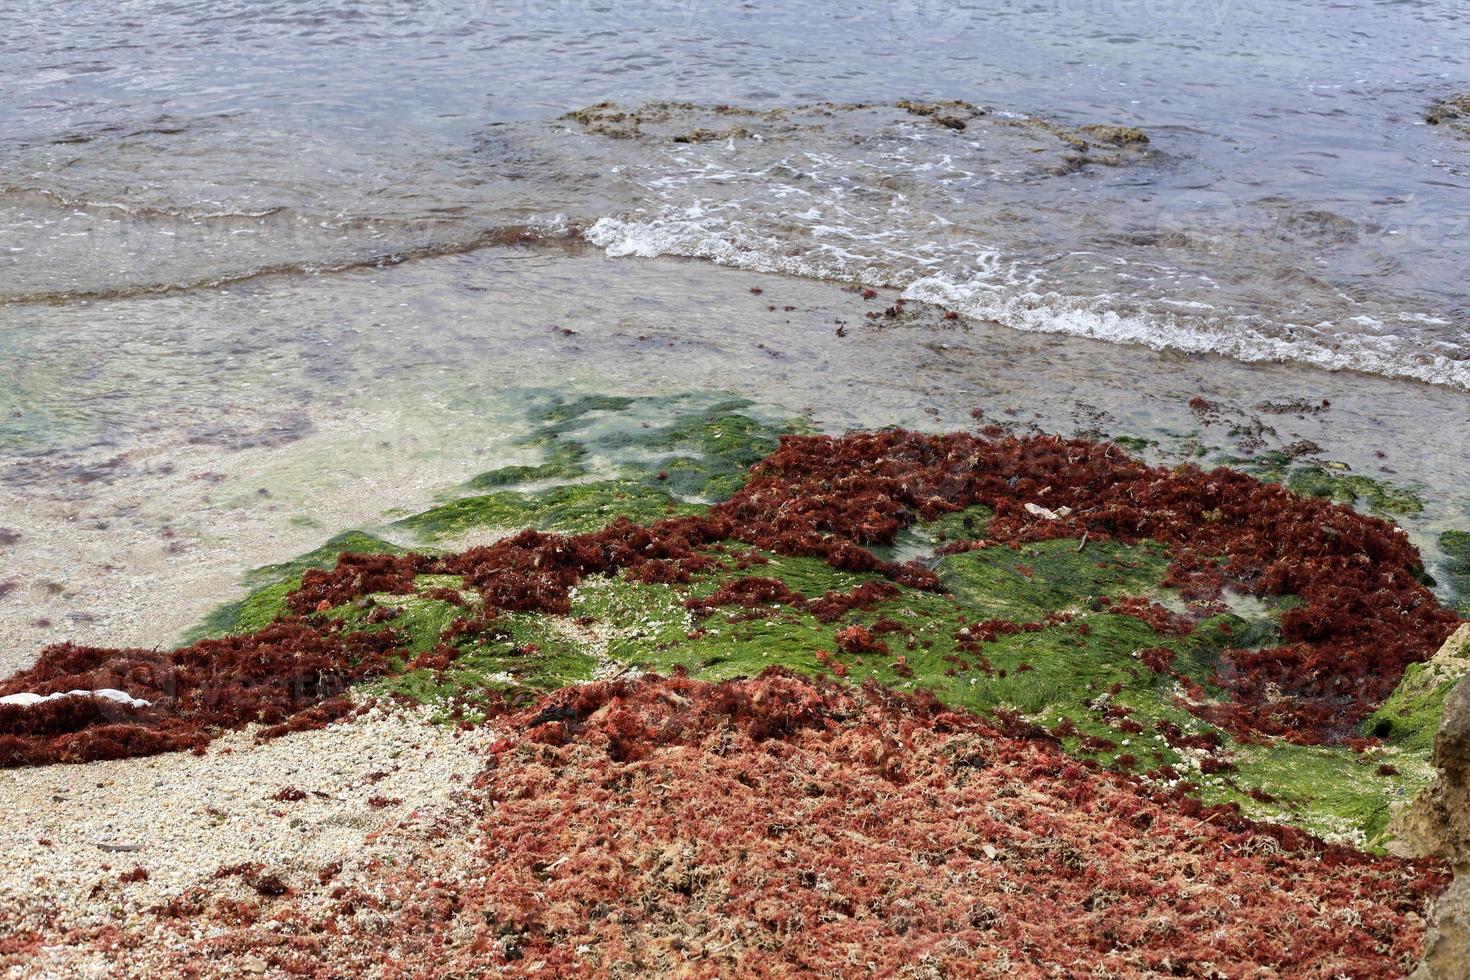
(1362, 616)
(289, 675)
(859, 640)
(781, 825)
(355, 575)
(749, 592)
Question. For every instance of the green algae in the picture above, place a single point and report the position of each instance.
(563, 461)
(271, 584)
(1062, 674)
(1381, 496)
(570, 509)
(1330, 482)
(703, 456)
(256, 611)
(1330, 791)
(1050, 576)
(1057, 667)
(1134, 444)
(672, 453)
(565, 411)
(527, 657)
(1411, 715)
(522, 657)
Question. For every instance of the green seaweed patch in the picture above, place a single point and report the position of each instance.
(1048, 666)
(572, 509)
(1412, 713)
(521, 657)
(563, 461)
(1330, 482)
(271, 585)
(703, 455)
(420, 619)
(693, 445)
(254, 612)
(1198, 654)
(567, 411)
(1381, 496)
(1333, 792)
(524, 657)
(1135, 445)
(1049, 576)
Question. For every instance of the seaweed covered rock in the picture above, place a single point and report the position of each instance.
(1440, 825)
(1351, 612)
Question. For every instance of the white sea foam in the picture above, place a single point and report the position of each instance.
(1006, 292)
(1236, 338)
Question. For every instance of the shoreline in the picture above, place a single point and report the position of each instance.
(144, 501)
(493, 646)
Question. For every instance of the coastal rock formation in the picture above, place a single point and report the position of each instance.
(1440, 824)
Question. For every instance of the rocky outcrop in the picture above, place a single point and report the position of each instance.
(1439, 823)
(1453, 112)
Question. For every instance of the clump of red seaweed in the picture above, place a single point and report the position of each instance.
(289, 675)
(776, 825)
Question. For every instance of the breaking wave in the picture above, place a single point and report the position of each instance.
(1006, 293)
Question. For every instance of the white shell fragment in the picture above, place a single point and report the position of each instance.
(26, 699)
(1047, 512)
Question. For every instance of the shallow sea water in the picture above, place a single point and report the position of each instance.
(273, 269)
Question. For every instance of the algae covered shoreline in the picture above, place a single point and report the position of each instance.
(1100, 651)
(134, 503)
(772, 489)
(1112, 644)
(1121, 618)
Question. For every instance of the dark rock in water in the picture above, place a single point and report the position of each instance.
(1116, 135)
(1453, 111)
(953, 114)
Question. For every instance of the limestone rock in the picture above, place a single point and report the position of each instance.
(1439, 820)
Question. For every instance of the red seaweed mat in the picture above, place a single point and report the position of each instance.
(1363, 616)
(782, 825)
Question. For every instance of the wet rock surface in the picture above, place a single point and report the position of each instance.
(1452, 112)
